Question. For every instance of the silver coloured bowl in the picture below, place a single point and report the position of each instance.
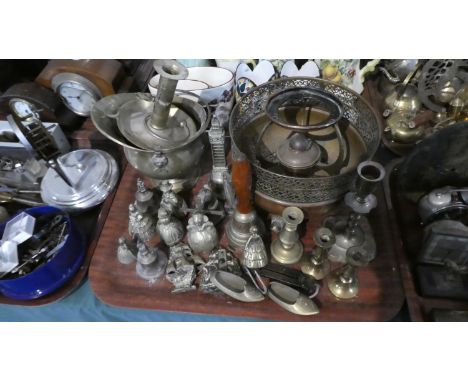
(179, 161)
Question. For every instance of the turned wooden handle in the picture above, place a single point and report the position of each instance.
(242, 182)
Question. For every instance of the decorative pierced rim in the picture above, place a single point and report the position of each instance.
(315, 190)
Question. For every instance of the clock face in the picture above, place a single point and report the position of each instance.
(23, 109)
(77, 97)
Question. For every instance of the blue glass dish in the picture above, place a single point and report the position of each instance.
(50, 276)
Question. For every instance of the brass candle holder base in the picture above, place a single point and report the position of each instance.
(343, 282)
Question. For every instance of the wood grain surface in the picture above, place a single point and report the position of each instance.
(380, 297)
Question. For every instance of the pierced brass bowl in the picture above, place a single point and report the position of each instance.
(259, 138)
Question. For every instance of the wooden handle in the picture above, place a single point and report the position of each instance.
(242, 182)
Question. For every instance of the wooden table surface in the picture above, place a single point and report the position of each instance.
(380, 297)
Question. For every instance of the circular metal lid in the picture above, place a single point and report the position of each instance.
(94, 173)
(299, 152)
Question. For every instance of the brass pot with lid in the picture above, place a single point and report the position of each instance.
(403, 99)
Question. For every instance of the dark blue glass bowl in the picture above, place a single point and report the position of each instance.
(50, 276)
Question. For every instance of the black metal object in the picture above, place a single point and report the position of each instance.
(440, 282)
(436, 162)
(291, 277)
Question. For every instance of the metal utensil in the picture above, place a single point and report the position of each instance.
(6, 197)
(292, 277)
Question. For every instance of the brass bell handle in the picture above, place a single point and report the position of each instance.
(303, 98)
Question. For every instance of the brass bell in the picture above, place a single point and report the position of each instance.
(318, 266)
(255, 254)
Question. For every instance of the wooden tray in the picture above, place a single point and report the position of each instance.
(407, 234)
(380, 297)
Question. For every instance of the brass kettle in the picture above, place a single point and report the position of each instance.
(403, 99)
(401, 128)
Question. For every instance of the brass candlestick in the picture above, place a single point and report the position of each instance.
(362, 200)
(343, 282)
(318, 266)
(287, 248)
